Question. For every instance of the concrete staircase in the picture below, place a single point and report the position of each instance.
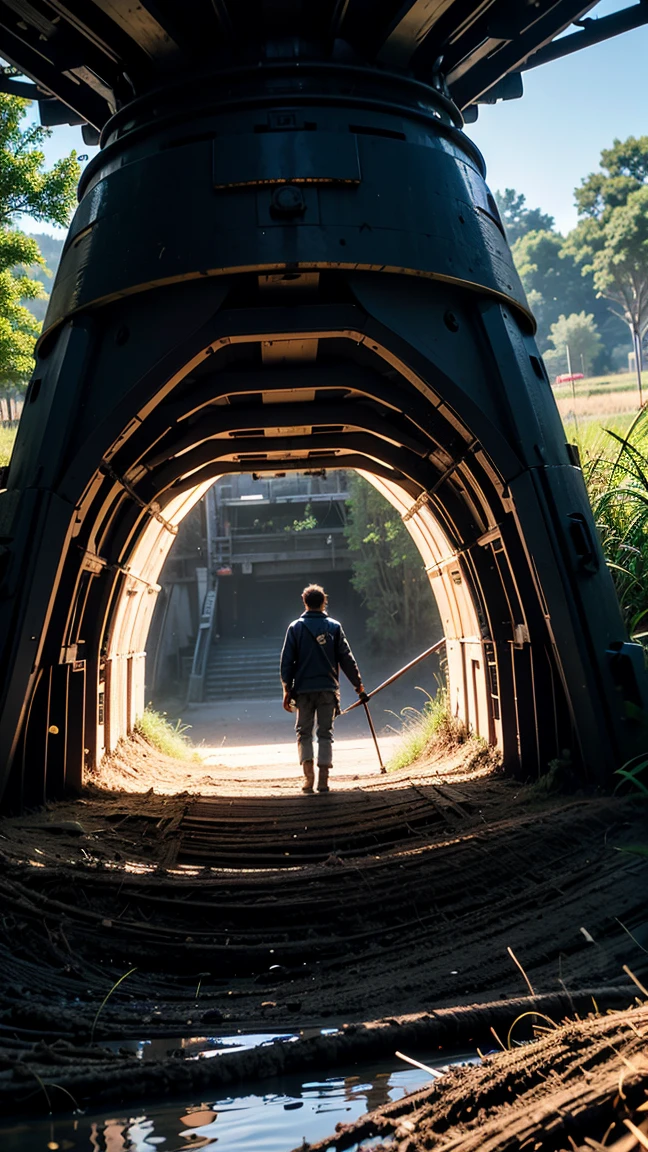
(243, 669)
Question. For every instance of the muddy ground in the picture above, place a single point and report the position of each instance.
(435, 898)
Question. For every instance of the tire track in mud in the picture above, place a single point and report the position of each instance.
(418, 908)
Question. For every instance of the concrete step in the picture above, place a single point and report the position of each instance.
(243, 678)
(242, 667)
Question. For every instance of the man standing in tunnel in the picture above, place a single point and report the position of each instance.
(314, 650)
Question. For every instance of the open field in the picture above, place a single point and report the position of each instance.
(612, 382)
(598, 404)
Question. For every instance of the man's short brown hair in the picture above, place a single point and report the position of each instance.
(314, 597)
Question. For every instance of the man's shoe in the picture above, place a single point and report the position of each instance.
(308, 768)
(322, 783)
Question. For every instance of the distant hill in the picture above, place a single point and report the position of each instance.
(51, 248)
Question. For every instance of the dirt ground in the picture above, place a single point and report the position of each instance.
(439, 901)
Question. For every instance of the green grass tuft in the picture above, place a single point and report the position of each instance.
(422, 727)
(171, 739)
(615, 468)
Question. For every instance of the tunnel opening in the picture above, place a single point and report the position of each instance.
(338, 297)
(323, 393)
(230, 586)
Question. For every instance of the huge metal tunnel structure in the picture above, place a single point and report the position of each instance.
(286, 256)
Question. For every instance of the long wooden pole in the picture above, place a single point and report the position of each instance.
(373, 733)
(412, 664)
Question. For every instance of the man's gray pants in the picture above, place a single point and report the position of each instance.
(324, 706)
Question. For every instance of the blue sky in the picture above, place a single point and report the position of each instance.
(545, 143)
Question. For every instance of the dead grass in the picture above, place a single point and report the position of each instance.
(598, 404)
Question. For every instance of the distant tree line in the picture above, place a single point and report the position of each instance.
(588, 290)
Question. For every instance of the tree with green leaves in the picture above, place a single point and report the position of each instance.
(579, 334)
(517, 218)
(26, 188)
(611, 240)
(551, 279)
(387, 571)
(624, 170)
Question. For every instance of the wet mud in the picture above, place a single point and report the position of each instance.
(435, 903)
(582, 1085)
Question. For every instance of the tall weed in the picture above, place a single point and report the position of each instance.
(615, 468)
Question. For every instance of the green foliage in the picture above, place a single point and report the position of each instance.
(611, 241)
(517, 219)
(616, 474)
(47, 196)
(620, 265)
(307, 521)
(387, 571)
(171, 739)
(631, 774)
(554, 282)
(423, 727)
(624, 170)
(25, 187)
(579, 333)
(18, 326)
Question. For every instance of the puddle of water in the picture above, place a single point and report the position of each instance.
(289, 1111)
(203, 1047)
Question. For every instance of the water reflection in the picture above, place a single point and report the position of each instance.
(193, 1047)
(288, 1112)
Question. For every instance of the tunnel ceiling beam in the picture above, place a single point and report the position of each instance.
(251, 449)
(115, 51)
(230, 423)
(592, 31)
(267, 468)
(198, 402)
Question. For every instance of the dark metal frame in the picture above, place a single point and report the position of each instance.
(341, 248)
(85, 61)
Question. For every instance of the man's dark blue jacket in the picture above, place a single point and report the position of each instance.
(312, 663)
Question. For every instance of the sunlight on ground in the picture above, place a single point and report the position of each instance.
(264, 771)
(351, 756)
(137, 766)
